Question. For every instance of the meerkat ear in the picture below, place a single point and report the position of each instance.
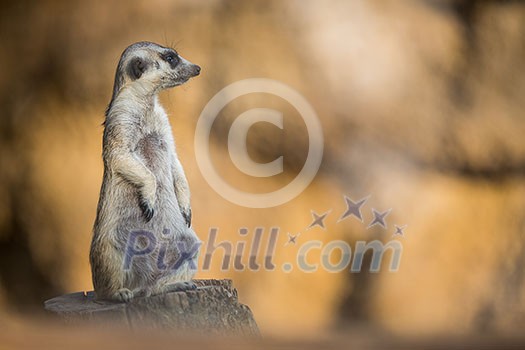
(136, 67)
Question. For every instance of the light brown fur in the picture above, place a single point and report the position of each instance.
(144, 188)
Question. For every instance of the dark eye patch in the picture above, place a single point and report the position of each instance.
(172, 58)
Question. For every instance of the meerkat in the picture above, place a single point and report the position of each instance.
(144, 188)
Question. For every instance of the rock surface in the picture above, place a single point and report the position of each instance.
(213, 308)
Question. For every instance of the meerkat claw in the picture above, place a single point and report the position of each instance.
(187, 217)
(147, 210)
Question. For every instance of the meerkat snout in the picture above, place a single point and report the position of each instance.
(196, 70)
(177, 69)
(186, 71)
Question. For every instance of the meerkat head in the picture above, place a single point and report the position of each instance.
(161, 67)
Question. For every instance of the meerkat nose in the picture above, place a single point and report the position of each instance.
(196, 70)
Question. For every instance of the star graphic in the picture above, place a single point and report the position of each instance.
(318, 220)
(353, 208)
(400, 230)
(292, 239)
(379, 218)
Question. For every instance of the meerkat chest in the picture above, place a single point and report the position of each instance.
(153, 148)
(154, 141)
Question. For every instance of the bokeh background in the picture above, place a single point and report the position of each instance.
(421, 105)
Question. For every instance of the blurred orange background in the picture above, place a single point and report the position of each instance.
(421, 105)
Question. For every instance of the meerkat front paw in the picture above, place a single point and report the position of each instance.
(183, 196)
(147, 200)
(147, 209)
(186, 213)
(123, 295)
(182, 192)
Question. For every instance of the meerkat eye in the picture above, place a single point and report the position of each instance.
(171, 58)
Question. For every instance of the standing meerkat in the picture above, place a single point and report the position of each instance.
(142, 240)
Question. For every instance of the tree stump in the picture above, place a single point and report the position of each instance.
(213, 308)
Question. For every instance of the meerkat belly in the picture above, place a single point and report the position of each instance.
(157, 156)
(167, 225)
